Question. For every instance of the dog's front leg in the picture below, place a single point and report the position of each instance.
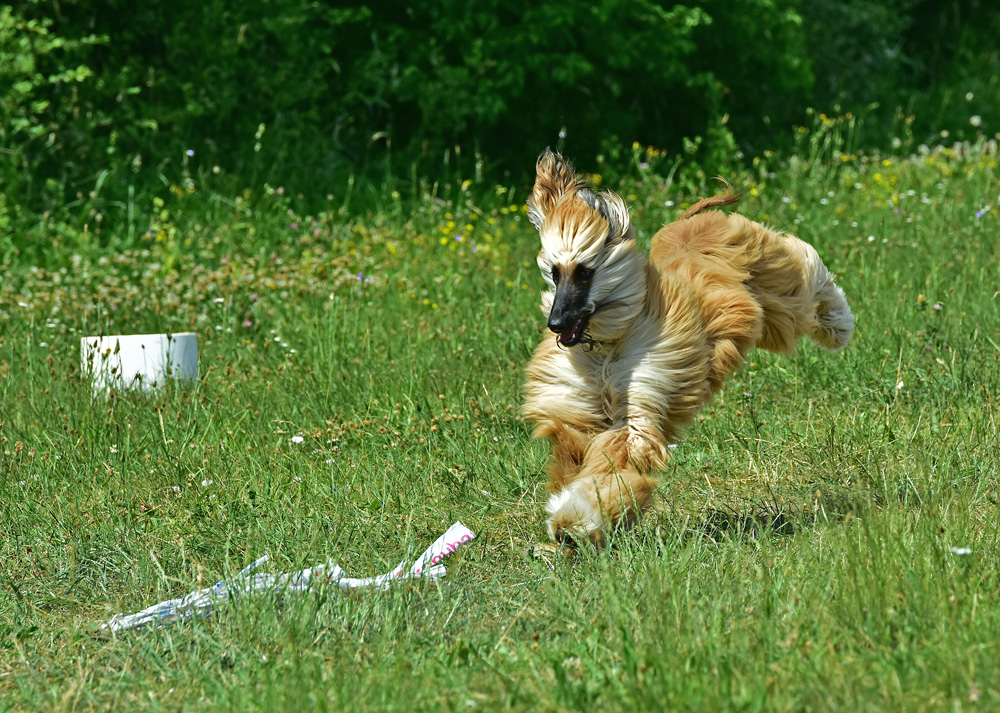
(610, 489)
(569, 448)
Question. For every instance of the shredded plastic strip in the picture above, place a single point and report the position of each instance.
(203, 601)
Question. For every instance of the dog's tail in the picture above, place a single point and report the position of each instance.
(727, 197)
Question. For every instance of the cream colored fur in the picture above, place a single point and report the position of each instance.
(664, 334)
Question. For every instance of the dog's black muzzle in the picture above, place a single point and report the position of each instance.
(570, 313)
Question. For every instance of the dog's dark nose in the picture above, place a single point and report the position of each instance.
(565, 309)
(560, 322)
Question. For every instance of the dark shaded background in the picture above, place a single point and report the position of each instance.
(107, 96)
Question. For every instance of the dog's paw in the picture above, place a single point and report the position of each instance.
(575, 516)
(549, 552)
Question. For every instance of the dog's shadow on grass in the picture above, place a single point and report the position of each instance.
(755, 519)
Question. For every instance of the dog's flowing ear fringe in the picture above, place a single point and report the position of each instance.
(613, 207)
(727, 197)
(554, 178)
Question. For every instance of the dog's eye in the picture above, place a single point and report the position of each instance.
(555, 273)
(583, 274)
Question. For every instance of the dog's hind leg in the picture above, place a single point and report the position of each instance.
(797, 293)
(834, 323)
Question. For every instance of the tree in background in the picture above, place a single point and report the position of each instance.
(108, 97)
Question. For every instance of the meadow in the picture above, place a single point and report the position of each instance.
(825, 536)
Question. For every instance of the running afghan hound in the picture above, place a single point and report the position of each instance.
(643, 343)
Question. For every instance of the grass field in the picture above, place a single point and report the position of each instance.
(825, 537)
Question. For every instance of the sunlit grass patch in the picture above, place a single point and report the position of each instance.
(823, 532)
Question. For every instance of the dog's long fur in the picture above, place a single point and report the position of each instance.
(642, 344)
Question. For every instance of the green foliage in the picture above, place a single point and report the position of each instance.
(964, 98)
(514, 78)
(760, 53)
(858, 52)
(104, 102)
(61, 123)
(25, 46)
(930, 64)
(39, 106)
(374, 87)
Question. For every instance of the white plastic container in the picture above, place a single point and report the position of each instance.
(139, 361)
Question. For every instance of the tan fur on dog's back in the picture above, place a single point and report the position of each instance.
(665, 332)
(755, 287)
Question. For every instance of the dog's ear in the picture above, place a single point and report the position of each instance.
(613, 207)
(554, 178)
